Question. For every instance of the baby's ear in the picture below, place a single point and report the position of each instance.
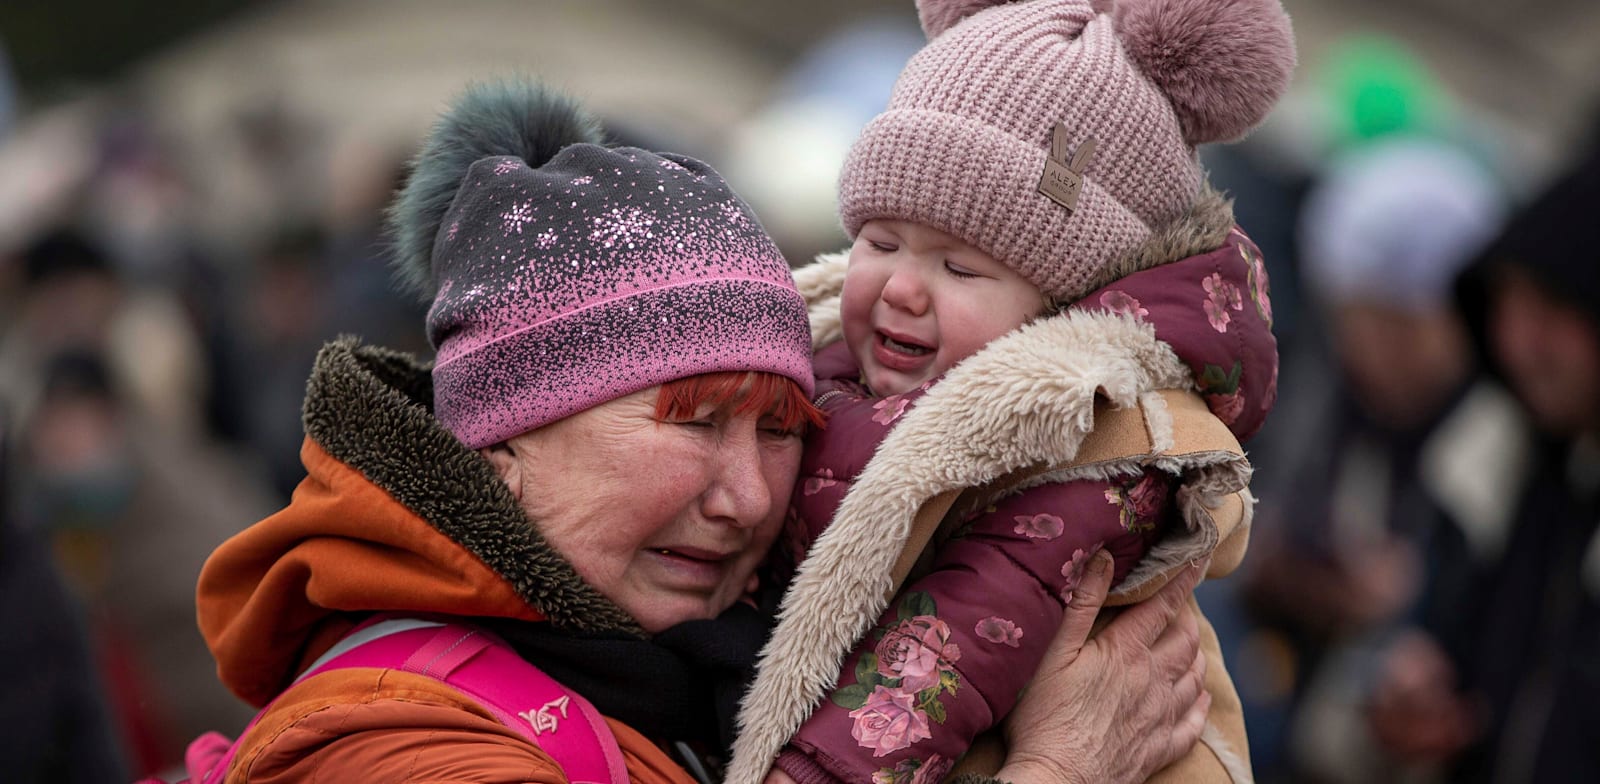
(1221, 63)
(938, 16)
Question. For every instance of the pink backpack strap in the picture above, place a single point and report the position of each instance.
(486, 669)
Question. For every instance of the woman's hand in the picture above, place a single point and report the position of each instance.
(1121, 706)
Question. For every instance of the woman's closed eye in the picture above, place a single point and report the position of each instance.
(882, 247)
(700, 421)
(773, 429)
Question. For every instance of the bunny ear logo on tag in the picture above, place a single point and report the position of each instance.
(1063, 179)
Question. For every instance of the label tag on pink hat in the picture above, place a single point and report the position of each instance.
(1063, 179)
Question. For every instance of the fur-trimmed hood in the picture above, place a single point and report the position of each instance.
(395, 514)
(1025, 409)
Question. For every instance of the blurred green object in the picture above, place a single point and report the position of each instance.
(1377, 87)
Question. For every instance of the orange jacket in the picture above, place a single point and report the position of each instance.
(394, 515)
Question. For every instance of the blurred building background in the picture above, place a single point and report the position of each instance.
(190, 203)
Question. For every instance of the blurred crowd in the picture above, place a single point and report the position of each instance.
(1420, 601)
(1422, 597)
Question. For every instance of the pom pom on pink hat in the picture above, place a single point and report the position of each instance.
(964, 142)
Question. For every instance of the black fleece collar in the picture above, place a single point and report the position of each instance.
(369, 407)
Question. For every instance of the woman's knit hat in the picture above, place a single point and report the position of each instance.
(1057, 135)
(564, 274)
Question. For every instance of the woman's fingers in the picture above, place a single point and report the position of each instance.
(1078, 620)
(1191, 682)
(1189, 728)
(1177, 645)
(1149, 619)
(1118, 708)
(1163, 628)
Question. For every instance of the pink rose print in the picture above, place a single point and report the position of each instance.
(1146, 496)
(932, 771)
(1216, 315)
(1223, 292)
(1227, 407)
(1221, 296)
(1072, 571)
(914, 771)
(999, 630)
(1122, 302)
(888, 722)
(889, 409)
(899, 774)
(824, 478)
(1137, 502)
(1260, 287)
(1040, 526)
(917, 651)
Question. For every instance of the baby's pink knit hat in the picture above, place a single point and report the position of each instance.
(970, 143)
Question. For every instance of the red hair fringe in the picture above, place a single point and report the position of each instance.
(744, 392)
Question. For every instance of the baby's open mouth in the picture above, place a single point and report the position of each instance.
(903, 347)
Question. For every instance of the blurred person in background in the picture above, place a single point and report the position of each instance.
(1384, 193)
(115, 473)
(69, 296)
(1349, 529)
(131, 513)
(283, 320)
(54, 723)
(306, 278)
(1502, 685)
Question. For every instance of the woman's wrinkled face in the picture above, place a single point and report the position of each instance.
(668, 519)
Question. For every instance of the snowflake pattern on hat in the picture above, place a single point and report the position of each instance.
(600, 273)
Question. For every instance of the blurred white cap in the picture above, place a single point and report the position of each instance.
(1392, 222)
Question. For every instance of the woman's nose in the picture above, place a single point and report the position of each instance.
(906, 290)
(739, 494)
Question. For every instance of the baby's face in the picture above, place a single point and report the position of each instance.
(917, 301)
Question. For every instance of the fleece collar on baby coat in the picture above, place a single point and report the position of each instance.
(1027, 400)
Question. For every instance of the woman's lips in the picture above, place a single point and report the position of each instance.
(698, 553)
(691, 567)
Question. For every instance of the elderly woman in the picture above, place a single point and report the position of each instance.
(589, 476)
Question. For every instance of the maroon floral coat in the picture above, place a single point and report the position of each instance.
(948, 657)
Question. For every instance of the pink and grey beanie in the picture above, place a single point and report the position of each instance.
(1058, 135)
(564, 274)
